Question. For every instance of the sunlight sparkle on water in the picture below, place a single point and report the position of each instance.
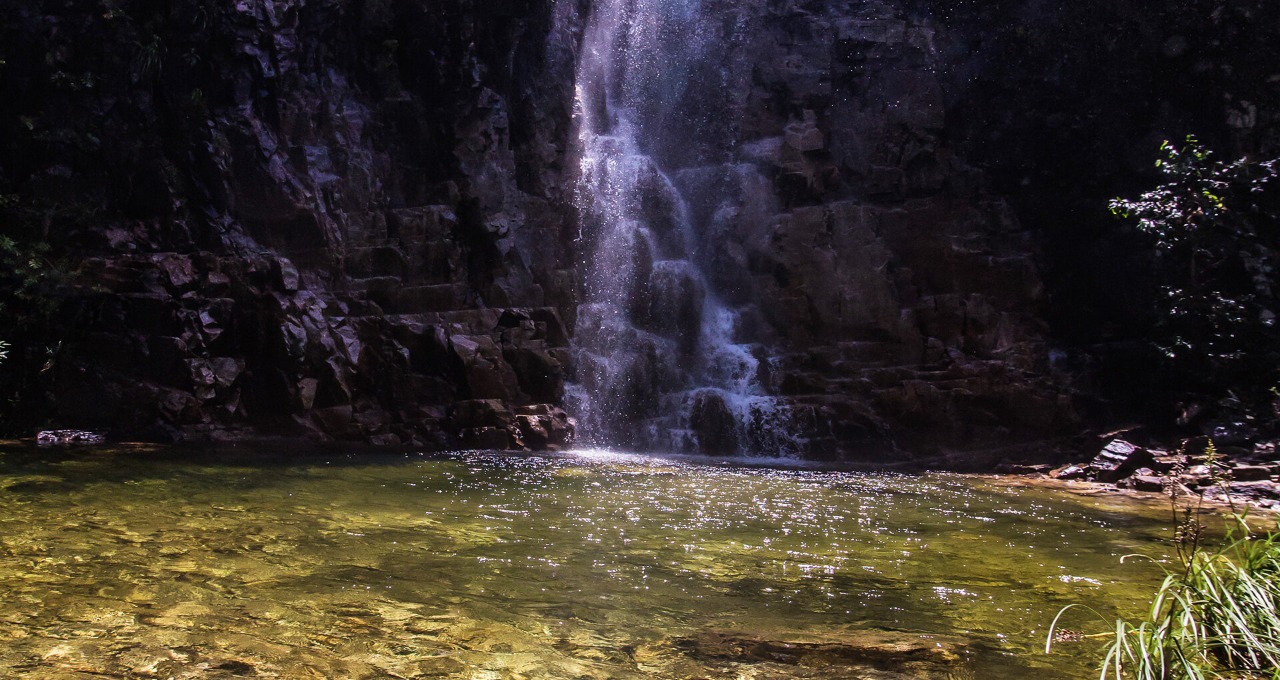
(474, 557)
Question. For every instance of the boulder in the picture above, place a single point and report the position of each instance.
(1118, 460)
(486, 438)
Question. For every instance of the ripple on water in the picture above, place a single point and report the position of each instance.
(596, 564)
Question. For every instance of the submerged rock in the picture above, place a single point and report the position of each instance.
(838, 654)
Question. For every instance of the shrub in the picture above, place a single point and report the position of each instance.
(1214, 233)
(1217, 615)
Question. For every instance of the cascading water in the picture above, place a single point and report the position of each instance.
(658, 364)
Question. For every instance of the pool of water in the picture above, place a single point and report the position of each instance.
(137, 563)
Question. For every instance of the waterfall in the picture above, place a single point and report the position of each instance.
(658, 361)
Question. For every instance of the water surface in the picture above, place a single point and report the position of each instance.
(594, 565)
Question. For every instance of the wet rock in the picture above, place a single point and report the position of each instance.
(386, 439)
(675, 303)
(804, 135)
(1071, 472)
(1145, 479)
(544, 427)
(1200, 476)
(337, 421)
(1250, 491)
(1250, 473)
(226, 370)
(475, 413)
(872, 30)
(69, 438)
(1021, 469)
(714, 424)
(538, 373)
(341, 231)
(920, 656)
(488, 375)
(307, 389)
(372, 420)
(533, 431)
(486, 438)
(1164, 462)
(178, 271)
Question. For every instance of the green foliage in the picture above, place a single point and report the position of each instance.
(1213, 228)
(1216, 615)
(24, 275)
(28, 303)
(148, 58)
(1219, 617)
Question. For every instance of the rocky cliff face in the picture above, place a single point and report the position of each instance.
(901, 298)
(352, 219)
(339, 219)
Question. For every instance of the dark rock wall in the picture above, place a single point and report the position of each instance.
(352, 218)
(1064, 106)
(900, 299)
(329, 217)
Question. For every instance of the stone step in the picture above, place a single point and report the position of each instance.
(422, 223)
(394, 297)
(430, 298)
(879, 353)
(433, 262)
(373, 261)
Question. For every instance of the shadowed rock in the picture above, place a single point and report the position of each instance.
(840, 655)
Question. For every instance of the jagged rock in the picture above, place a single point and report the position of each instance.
(1118, 460)
(178, 271)
(488, 375)
(337, 421)
(226, 370)
(1250, 473)
(324, 204)
(69, 438)
(544, 427)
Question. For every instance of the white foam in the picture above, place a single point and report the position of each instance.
(638, 374)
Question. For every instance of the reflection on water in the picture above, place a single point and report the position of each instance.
(596, 565)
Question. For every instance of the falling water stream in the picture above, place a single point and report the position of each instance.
(659, 361)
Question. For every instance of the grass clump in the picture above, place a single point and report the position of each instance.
(1216, 614)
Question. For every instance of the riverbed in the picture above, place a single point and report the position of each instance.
(155, 563)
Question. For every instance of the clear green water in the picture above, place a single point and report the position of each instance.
(141, 564)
